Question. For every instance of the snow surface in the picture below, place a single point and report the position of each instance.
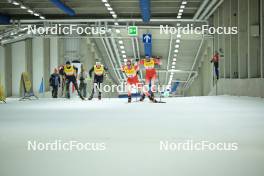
(132, 133)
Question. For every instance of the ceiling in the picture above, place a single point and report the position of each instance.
(96, 9)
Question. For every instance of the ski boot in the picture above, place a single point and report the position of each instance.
(80, 95)
(152, 99)
(68, 95)
(90, 98)
(129, 99)
(142, 97)
(99, 96)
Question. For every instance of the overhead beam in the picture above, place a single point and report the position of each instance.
(125, 20)
(214, 9)
(207, 10)
(63, 7)
(145, 10)
(4, 19)
(201, 8)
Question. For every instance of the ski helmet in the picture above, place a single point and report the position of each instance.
(129, 61)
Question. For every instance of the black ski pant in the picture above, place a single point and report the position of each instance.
(83, 87)
(69, 80)
(216, 67)
(98, 80)
(55, 91)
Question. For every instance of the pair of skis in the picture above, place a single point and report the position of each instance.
(138, 101)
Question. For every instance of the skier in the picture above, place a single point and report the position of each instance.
(83, 81)
(70, 77)
(99, 71)
(54, 82)
(131, 71)
(215, 59)
(151, 73)
(62, 78)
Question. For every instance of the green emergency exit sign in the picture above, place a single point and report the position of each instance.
(132, 31)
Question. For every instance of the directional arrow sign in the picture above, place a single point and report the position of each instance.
(147, 38)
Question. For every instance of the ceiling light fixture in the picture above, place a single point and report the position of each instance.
(23, 7)
(15, 3)
(30, 11)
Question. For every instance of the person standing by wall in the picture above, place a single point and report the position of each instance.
(215, 59)
(83, 76)
(54, 82)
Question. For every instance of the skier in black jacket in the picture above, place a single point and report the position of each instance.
(54, 82)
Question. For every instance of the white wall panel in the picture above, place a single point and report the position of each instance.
(54, 54)
(18, 65)
(38, 62)
(2, 65)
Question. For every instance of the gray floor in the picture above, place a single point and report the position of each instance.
(132, 134)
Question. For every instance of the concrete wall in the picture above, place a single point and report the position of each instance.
(54, 54)
(203, 84)
(253, 87)
(18, 65)
(8, 69)
(241, 65)
(38, 62)
(2, 66)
